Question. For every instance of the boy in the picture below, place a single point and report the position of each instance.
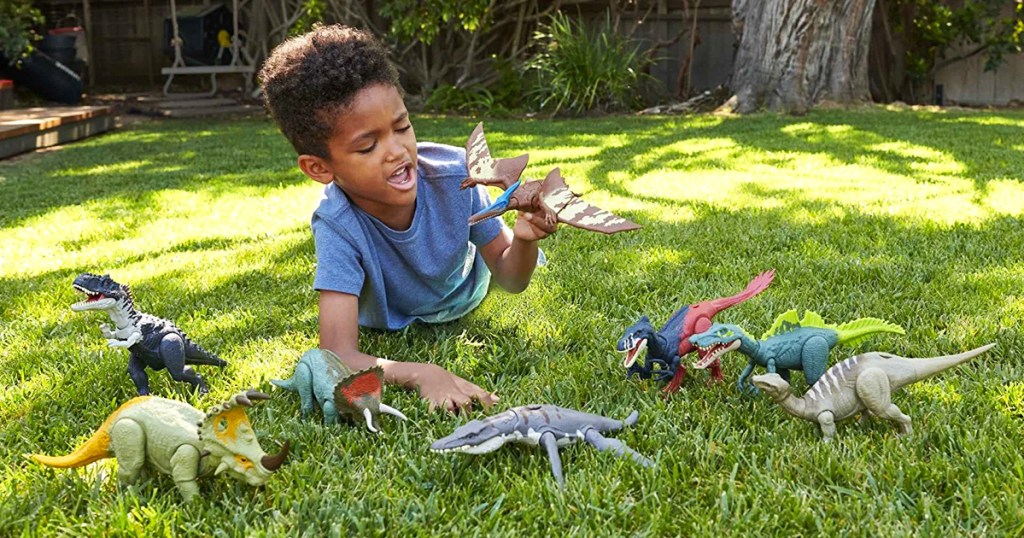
(392, 242)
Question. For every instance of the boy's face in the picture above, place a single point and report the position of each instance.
(372, 156)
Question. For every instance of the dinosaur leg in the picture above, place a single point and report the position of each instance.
(128, 443)
(184, 468)
(814, 358)
(330, 413)
(137, 371)
(828, 425)
(601, 442)
(549, 443)
(303, 381)
(875, 392)
(677, 378)
(741, 384)
(172, 352)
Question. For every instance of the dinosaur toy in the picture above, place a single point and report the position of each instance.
(790, 344)
(320, 377)
(175, 438)
(546, 425)
(861, 382)
(152, 342)
(550, 197)
(666, 347)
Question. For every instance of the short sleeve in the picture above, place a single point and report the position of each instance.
(483, 232)
(337, 261)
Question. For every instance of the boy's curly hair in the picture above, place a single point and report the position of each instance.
(308, 80)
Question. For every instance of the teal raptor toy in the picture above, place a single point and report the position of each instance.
(791, 343)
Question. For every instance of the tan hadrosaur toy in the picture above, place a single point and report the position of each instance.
(175, 438)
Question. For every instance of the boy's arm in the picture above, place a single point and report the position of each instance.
(512, 255)
(339, 332)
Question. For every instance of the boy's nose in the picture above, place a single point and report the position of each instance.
(395, 149)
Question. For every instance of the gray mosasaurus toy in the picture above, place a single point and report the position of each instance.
(861, 382)
(546, 425)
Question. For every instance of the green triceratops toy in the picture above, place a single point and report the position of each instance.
(175, 438)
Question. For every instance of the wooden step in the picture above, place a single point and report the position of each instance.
(193, 103)
(212, 111)
(27, 129)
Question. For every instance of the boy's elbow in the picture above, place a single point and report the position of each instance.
(515, 287)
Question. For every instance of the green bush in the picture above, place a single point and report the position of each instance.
(17, 21)
(502, 97)
(580, 69)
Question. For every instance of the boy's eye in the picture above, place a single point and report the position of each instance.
(368, 149)
(404, 129)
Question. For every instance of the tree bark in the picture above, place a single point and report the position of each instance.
(794, 54)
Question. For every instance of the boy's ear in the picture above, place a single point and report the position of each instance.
(316, 168)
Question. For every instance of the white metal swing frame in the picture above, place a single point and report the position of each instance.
(246, 69)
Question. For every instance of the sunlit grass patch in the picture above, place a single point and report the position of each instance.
(912, 216)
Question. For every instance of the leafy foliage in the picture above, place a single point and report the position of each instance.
(933, 34)
(500, 98)
(581, 68)
(425, 19)
(18, 18)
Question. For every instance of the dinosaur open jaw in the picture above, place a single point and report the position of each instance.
(633, 353)
(92, 300)
(489, 445)
(710, 354)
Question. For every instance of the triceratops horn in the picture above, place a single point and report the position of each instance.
(385, 408)
(369, 421)
(242, 400)
(271, 463)
(256, 395)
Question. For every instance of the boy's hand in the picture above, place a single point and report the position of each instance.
(444, 389)
(533, 226)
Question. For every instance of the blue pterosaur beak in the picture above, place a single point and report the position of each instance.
(498, 207)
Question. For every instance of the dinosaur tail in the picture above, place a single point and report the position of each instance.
(287, 384)
(95, 449)
(757, 285)
(631, 419)
(928, 367)
(859, 329)
(194, 354)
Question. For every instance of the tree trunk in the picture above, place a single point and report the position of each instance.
(794, 54)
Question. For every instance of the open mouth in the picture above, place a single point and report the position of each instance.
(633, 353)
(90, 297)
(709, 354)
(403, 178)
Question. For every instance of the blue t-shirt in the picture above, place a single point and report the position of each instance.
(432, 272)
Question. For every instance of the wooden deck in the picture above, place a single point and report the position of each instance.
(27, 129)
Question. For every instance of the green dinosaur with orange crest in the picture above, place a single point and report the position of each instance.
(792, 343)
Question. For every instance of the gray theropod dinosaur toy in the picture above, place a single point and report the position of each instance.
(546, 425)
(153, 342)
(861, 382)
(321, 378)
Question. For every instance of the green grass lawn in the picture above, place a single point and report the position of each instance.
(914, 217)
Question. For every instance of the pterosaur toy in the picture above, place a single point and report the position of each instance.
(546, 425)
(175, 438)
(791, 343)
(550, 197)
(666, 347)
(322, 378)
(151, 341)
(861, 382)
